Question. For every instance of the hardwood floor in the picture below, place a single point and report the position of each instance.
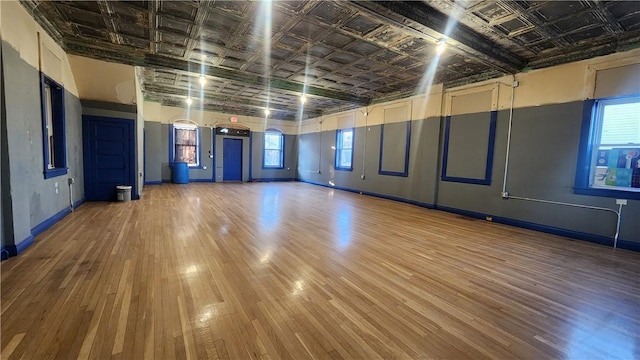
(295, 271)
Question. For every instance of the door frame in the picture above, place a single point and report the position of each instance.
(241, 158)
(86, 119)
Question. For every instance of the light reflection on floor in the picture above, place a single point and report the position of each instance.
(269, 216)
(601, 331)
(343, 226)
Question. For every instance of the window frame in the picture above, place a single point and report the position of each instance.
(58, 122)
(264, 149)
(590, 128)
(339, 149)
(185, 125)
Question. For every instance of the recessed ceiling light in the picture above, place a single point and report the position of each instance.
(267, 112)
(303, 99)
(189, 101)
(203, 80)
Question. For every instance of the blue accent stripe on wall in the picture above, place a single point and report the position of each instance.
(407, 150)
(489, 160)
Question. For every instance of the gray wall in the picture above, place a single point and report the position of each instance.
(33, 199)
(157, 156)
(153, 151)
(157, 167)
(543, 160)
(418, 186)
(290, 159)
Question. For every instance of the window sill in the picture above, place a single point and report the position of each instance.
(51, 173)
(272, 167)
(344, 168)
(630, 193)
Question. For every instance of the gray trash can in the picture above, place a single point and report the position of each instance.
(123, 193)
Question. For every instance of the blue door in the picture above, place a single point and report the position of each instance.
(232, 160)
(109, 156)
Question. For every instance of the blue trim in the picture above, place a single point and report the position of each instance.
(78, 203)
(59, 128)
(583, 167)
(38, 229)
(620, 194)
(272, 179)
(598, 239)
(382, 196)
(264, 149)
(490, 149)
(201, 180)
(338, 153)
(4, 252)
(14, 250)
(406, 153)
(23, 245)
(154, 182)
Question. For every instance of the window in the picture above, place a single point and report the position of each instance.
(344, 149)
(273, 155)
(186, 143)
(53, 128)
(610, 157)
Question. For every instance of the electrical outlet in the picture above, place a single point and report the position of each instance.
(71, 181)
(362, 176)
(505, 195)
(204, 167)
(621, 201)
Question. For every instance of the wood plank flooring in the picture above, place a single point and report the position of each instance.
(296, 271)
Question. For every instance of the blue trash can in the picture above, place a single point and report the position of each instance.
(180, 173)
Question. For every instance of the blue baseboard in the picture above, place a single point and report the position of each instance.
(271, 179)
(4, 253)
(13, 250)
(598, 239)
(157, 182)
(24, 244)
(382, 196)
(78, 203)
(49, 222)
(201, 180)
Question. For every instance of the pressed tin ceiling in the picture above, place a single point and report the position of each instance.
(342, 55)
